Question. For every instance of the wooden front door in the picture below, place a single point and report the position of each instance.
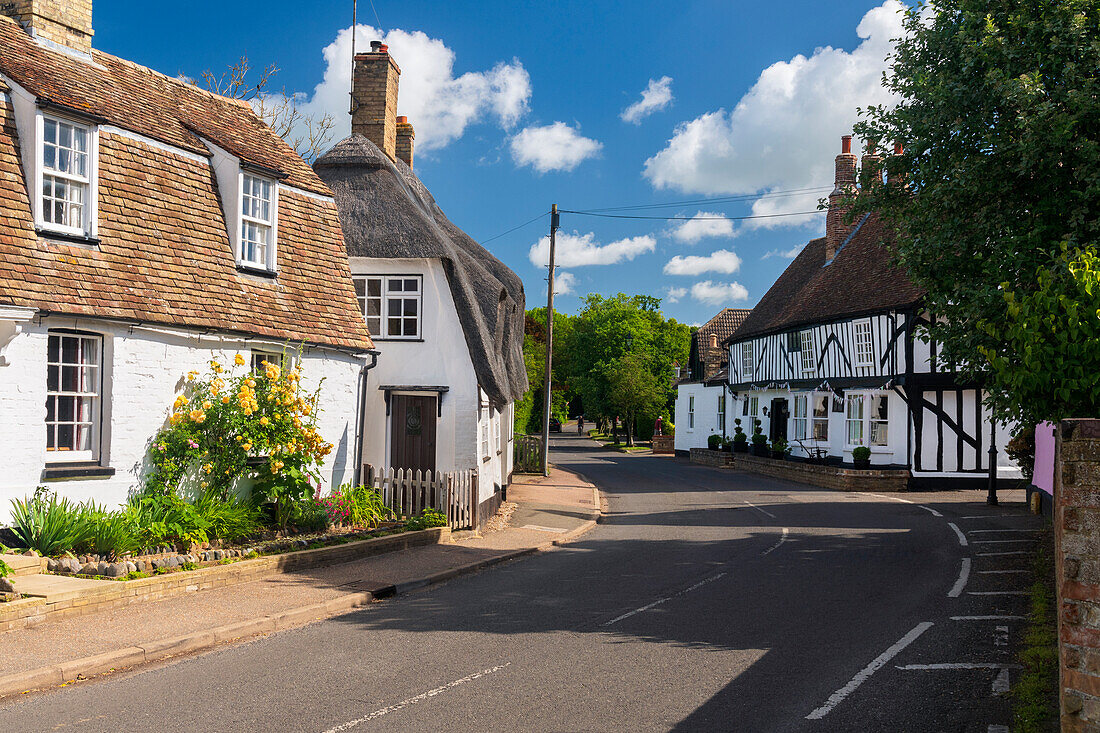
(412, 432)
(779, 415)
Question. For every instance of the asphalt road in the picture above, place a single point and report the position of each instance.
(708, 600)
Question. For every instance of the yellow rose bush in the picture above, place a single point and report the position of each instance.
(231, 424)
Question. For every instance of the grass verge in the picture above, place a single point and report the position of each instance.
(1035, 694)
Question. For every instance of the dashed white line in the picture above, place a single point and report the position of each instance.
(1001, 572)
(762, 511)
(782, 539)
(988, 618)
(418, 698)
(891, 498)
(864, 674)
(995, 516)
(997, 593)
(997, 729)
(959, 665)
(1001, 542)
(958, 532)
(999, 554)
(964, 574)
(987, 531)
(659, 601)
(930, 509)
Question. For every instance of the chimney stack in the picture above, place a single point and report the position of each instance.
(64, 22)
(870, 168)
(714, 341)
(405, 137)
(836, 230)
(374, 98)
(894, 177)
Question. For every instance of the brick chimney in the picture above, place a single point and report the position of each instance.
(836, 230)
(894, 177)
(64, 22)
(870, 168)
(374, 97)
(405, 137)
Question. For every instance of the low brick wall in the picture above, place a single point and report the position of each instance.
(829, 477)
(31, 611)
(664, 444)
(707, 457)
(1077, 571)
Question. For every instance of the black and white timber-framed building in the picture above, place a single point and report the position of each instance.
(832, 358)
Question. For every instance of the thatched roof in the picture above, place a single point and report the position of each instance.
(386, 212)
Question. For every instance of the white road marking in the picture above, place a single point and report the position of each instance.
(986, 531)
(988, 618)
(930, 509)
(1001, 637)
(418, 698)
(964, 574)
(762, 511)
(782, 539)
(997, 729)
(959, 665)
(995, 516)
(1001, 542)
(997, 593)
(998, 554)
(540, 528)
(962, 537)
(1001, 572)
(659, 601)
(891, 498)
(864, 674)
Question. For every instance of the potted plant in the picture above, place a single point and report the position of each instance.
(759, 440)
(714, 442)
(861, 457)
(780, 449)
(740, 440)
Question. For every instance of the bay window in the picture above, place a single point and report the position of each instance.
(868, 419)
(799, 419)
(854, 419)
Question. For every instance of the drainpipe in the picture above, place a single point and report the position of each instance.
(361, 421)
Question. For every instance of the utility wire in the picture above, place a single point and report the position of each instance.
(692, 218)
(719, 200)
(376, 18)
(521, 226)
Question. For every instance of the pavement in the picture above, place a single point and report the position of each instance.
(706, 599)
(549, 509)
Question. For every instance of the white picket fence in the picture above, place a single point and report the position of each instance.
(408, 493)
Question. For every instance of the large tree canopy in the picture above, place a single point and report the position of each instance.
(999, 114)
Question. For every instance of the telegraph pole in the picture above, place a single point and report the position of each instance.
(549, 346)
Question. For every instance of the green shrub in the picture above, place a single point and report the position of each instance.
(228, 518)
(108, 533)
(5, 569)
(428, 518)
(166, 519)
(758, 437)
(780, 446)
(861, 453)
(311, 516)
(48, 524)
(714, 442)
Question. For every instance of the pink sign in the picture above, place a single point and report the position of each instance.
(1044, 457)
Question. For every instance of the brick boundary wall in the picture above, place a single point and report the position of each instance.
(828, 477)
(1077, 572)
(664, 444)
(32, 611)
(714, 458)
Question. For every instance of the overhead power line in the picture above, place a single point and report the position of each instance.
(521, 226)
(692, 218)
(719, 200)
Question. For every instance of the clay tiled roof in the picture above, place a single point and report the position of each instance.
(164, 255)
(861, 279)
(706, 361)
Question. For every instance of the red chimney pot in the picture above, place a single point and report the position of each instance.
(383, 48)
(402, 119)
(898, 148)
(845, 143)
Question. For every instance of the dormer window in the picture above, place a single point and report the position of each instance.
(259, 205)
(66, 176)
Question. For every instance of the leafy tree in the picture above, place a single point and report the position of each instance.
(999, 109)
(634, 389)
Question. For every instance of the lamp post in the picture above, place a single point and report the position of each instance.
(991, 493)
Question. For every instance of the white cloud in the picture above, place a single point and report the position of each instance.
(656, 96)
(673, 295)
(789, 254)
(565, 283)
(556, 147)
(783, 133)
(703, 224)
(439, 105)
(719, 293)
(723, 261)
(579, 250)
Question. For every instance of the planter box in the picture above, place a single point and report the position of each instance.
(829, 477)
(862, 464)
(741, 447)
(760, 451)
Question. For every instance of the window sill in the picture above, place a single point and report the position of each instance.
(76, 471)
(258, 271)
(66, 237)
(396, 339)
(486, 459)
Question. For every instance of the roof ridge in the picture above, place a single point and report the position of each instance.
(183, 83)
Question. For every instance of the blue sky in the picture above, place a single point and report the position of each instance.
(518, 106)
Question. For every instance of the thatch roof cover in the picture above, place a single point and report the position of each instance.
(386, 212)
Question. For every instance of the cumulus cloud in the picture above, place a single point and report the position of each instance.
(565, 283)
(783, 133)
(656, 96)
(703, 224)
(714, 293)
(556, 147)
(789, 254)
(723, 261)
(578, 250)
(673, 295)
(439, 104)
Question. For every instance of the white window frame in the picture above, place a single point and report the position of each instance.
(747, 364)
(806, 354)
(866, 420)
(814, 420)
(95, 419)
(271, 357)
(799, 416)
(854, 412)
(754, 407)
(863, 348)
(496, 418)
(90, 218)
(691, 412)
(271, 257)
(483, 419)
(384, 305)
(721, 417)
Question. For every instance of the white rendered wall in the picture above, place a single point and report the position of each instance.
(706, 415)
(143, 371)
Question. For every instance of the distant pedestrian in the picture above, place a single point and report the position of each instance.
(658, 425)
(580, 425)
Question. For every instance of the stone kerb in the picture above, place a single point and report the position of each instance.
(1077, 572)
